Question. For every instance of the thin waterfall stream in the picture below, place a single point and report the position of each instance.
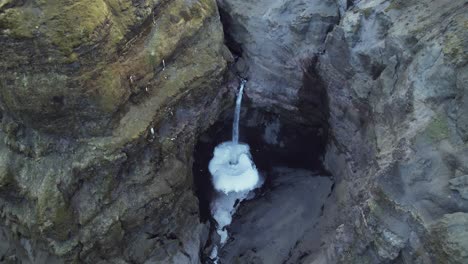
(235, 124)
(234, 176)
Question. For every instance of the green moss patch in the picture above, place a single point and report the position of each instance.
(438, 128)
(397, 5)
(69, 24)
(18, 23)
(456, 47)
(367, 12)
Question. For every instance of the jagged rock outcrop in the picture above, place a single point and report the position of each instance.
(101, 102)
(277, 41)
(395, 74)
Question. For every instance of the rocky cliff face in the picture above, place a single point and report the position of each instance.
(102, 102)
(395, 75)
(277, 41)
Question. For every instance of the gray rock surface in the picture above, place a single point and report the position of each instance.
(460, 184)
(395, 74)
(394, 71)
(451, 236)
(19, 250)
(97, 132)
(270, 228)
(277, 39)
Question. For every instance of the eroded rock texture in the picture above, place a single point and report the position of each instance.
(395, 74)
(279, 40)
(100, 105)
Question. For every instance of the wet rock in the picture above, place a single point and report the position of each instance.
(270, 229)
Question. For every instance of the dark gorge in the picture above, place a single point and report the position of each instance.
(353, 114)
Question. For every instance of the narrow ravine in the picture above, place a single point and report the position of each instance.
(234, 177)
(128, 137)
(295, 190)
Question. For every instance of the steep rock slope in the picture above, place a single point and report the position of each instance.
(395, 74)
(277, 41)
(100, 104)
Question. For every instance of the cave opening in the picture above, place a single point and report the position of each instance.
(274, 141)
(287, 147)
(277, 138)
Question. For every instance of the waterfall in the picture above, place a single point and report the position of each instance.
(235, 124)
(234, 176)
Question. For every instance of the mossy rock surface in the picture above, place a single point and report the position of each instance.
(81, 84)
(69, 67)
(438, 129)
(455, 45)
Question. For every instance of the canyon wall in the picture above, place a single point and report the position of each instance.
(101, 102)
(395, 76)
